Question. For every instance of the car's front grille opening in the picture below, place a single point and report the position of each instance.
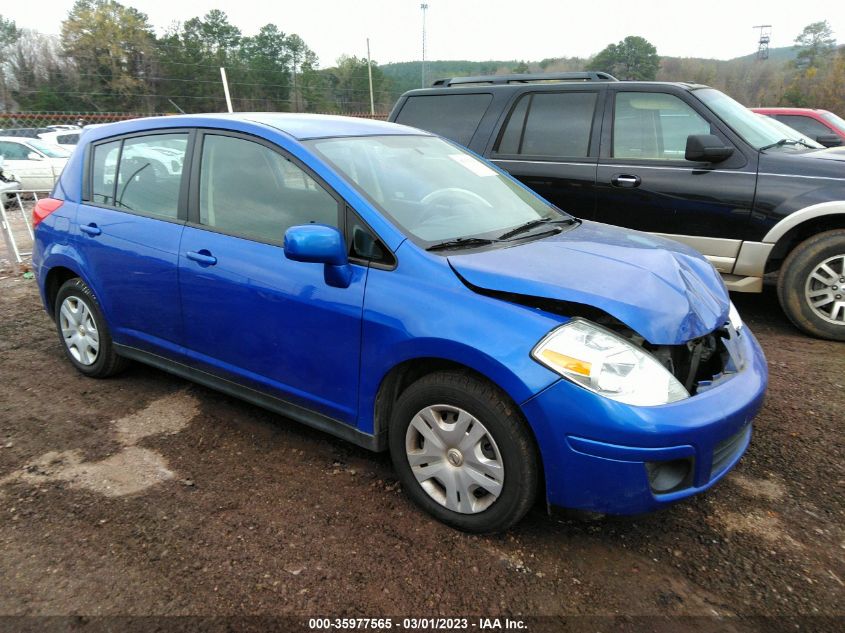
(725, 451)
(669, 476)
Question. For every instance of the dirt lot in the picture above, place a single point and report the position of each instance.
(146, 495)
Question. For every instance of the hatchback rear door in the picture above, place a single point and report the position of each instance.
(128, 229)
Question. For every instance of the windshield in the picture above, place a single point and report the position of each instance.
(838, 121)
(51, 151)
(432, 189)
(756, 131)
(791, 133)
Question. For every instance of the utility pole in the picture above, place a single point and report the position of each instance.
(424, 8)
(225, 88)
(370, 75)
(763, 41)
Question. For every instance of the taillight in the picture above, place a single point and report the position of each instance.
(43, 208)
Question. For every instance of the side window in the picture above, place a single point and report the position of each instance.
(103, 168)
(652, 125)
(554, 124)
(150, 174)
(453, 116)
(13, 151)
(68, 139)
(251, 191)
(363, 243)
(808, 126)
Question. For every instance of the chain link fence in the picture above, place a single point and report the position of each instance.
(16, 120)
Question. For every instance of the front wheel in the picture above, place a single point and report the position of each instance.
(811, 286)
(463, 452)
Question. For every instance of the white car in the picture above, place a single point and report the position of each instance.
(35, 163)
(8, 185)
(66, 139)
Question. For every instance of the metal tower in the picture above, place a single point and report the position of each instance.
(763, 42)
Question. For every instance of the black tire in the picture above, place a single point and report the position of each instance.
(107, 362)
(792, 282)
(505, 425)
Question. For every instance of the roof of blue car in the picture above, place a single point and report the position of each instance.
(299, 126)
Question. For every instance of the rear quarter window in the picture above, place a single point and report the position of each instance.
(556, 125)
(453, 116)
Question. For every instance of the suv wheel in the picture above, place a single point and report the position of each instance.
(811, 286)
(83, 331)
(463, 452)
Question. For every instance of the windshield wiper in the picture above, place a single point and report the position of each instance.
(461, 242)
(522, 228)
(781, 143)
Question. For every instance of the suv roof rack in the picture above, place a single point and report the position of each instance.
(524, 78)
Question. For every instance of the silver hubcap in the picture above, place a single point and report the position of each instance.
(825, 290)
(454, 458)
(79, 330)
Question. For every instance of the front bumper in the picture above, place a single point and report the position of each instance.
(594, 449)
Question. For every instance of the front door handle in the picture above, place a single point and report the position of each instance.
(91, 229)
(625, 180)
(203, 257)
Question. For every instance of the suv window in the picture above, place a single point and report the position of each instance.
(251, 191)
(68, 139)
(150, 175)
(653, 125)
(804, 124)
(550, 124)
(453, 116)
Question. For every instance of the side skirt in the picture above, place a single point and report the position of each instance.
(261, 399)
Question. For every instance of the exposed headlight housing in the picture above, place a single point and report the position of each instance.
(603, 362)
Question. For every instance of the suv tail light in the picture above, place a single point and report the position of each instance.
(43, 208)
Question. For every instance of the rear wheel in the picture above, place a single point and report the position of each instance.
(811, 286)
(83, 331)
(463, 452)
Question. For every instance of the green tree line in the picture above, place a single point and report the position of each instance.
(108, 58)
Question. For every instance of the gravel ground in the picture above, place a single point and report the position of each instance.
(145, 495)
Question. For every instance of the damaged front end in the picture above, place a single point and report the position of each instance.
(697, 365)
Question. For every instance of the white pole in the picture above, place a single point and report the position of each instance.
(424, 8)
(370, 73)
(226, 88)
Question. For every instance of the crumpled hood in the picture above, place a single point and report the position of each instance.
(661, 289)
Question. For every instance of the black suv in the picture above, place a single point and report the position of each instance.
(681, 160)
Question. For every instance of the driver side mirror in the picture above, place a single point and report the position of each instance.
(829, 140)
(320, 244)
(707, 148)
(34, 156)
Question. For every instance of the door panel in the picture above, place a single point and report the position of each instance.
(275, 324)
(132, 261)
(643, 181)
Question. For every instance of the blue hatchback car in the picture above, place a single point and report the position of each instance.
(384, 285)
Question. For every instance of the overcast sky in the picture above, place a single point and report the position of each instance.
(487, 29)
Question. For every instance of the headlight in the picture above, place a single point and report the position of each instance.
(605, 363)
(734, 318)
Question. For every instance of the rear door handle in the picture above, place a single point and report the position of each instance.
(203, 257)
(91, 229)
(625, 180)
